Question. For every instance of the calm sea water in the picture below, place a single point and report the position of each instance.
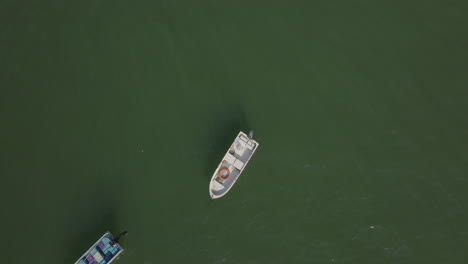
(114, 115)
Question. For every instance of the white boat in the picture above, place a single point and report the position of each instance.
(232, 164)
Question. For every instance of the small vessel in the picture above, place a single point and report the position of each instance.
(232, 164)
(104, 251)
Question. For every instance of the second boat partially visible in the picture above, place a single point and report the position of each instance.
(105, 251)
(232, 164)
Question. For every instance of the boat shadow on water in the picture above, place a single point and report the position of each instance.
(226, 125)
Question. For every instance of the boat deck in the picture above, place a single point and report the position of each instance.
(235, 161)
(102, 252)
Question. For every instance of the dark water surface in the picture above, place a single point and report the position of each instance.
(114, 115)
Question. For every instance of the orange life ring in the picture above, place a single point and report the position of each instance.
(224, 174)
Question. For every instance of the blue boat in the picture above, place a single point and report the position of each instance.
(104, 251)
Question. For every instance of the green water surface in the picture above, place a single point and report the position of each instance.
(114, 115)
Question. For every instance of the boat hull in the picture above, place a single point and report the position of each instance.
(104, 251)
(232, 165)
